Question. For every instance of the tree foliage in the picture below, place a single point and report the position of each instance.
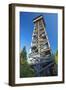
(56, 57)
(25, 68)
(26, 71)
(23, 56)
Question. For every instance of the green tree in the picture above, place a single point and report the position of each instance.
(25, 68)
(56, 57)
(26, 71)
(23, 56)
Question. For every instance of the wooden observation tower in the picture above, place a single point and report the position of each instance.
(40, 53)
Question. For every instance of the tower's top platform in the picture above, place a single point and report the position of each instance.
(38, 18)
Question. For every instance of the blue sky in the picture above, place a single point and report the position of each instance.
(26, 29)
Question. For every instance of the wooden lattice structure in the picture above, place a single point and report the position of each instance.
(40, 57)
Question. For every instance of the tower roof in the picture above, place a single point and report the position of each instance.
(39, 18)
